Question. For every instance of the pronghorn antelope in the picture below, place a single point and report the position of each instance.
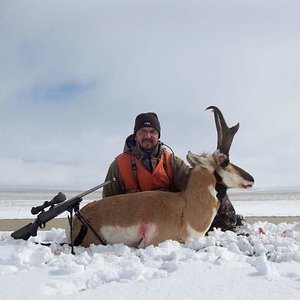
(149, 218)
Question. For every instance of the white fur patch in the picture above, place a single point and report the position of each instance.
(231, 179)
(214, 213)
(130, 236)
(117, 234)
(213, 191)
(193, 234)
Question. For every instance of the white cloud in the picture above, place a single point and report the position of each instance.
(126, 57)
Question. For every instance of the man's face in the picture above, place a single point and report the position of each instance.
(147, 138)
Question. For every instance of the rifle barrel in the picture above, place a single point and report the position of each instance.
(58, 209)
(94, 188)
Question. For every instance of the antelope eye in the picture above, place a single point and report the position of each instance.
(224, 164)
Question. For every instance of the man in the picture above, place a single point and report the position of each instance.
(146, 165)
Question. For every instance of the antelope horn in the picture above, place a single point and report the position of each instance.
(225, 133)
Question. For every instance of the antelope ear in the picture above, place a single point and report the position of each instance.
(193, 159)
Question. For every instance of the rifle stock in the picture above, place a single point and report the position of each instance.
(45, 216)
(25, 232)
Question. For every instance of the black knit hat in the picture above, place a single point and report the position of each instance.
(149, 119)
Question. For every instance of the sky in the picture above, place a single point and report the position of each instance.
(74, 75)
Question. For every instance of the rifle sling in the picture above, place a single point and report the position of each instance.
(82, 233)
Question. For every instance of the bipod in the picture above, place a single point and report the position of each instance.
(84, 228)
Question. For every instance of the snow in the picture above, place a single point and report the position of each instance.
(16, 204)
(266, 202)
(262, 262)
(255, 202)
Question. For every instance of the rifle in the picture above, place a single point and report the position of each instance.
(58, 205)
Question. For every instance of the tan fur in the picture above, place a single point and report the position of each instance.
(149, 218)
(173, 214)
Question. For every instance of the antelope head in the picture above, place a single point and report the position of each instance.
(219, 163)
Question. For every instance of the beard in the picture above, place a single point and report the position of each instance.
(147, 144)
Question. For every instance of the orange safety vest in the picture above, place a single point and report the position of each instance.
(137, 178)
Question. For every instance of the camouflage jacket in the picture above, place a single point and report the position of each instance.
(180, 170)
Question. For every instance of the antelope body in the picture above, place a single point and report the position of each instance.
(149, 218)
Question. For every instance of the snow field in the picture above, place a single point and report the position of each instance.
(264, 252)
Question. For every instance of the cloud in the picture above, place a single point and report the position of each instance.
(74, 76)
